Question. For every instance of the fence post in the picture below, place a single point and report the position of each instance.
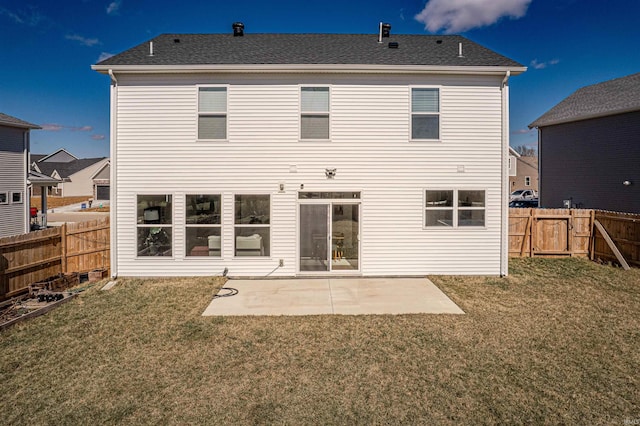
(592, 237)
(63, 248)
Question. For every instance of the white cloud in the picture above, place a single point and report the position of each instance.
(98, 137)
(51, 127)
(521, 131)
(55, 127)
(541, 65)
(455, 16)
(30, 17)
(83, 40)
(114, 7)
(104, 55)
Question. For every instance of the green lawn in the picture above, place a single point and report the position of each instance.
(556, 342)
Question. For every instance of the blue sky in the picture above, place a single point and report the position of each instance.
(48, 47)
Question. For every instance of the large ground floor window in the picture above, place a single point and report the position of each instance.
(154, 225)
(203, 225)
(252, 225)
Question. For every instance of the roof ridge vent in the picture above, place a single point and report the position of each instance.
(238, 29)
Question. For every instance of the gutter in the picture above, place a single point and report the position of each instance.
(309, 68)
(504, 204)
(113, 179)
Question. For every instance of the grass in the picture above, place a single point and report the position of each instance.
(558, 341)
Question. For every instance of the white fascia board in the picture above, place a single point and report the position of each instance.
(310, 68)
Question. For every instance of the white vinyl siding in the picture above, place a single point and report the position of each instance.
(212, 113)
(370, 149)
(13, 181)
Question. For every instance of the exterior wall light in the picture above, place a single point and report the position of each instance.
(626, 183)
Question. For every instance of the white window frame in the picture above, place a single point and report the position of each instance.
(200, 225)
(527, 181)
(6, 197)
(455, 209)
(156, 225)
(301, 112)
(20, 193)
(253, 225)
(210, 113)
(438, 114)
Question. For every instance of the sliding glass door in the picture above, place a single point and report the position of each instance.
(329, 237)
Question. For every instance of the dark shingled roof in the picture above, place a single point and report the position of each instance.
(306, 49)
(599, 100)
(67, 169)
(7, 120)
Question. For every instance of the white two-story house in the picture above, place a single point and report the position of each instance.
(309, 154)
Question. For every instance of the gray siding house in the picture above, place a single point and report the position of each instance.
(14, 166)
(589, 148)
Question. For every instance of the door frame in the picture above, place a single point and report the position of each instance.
(329, 202)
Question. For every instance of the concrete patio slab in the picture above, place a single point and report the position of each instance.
(321, 296)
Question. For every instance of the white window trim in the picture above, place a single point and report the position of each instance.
(220, 226)
(253, 225)
(6, 197)
(439, 113)
(156, 225)
(328, 113)
(226, 113)
(454, 208)
(21, 201)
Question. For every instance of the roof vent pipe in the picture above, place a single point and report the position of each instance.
(384, 30)
(238, 29)
(460, 50)
(150, 48)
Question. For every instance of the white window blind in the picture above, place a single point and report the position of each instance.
(212, 99)
(425, 100)
(315, 99)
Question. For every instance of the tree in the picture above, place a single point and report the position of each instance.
(525, 151)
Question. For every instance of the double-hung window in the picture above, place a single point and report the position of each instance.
(203, 225)
(314, 113)
(154, 223)
(425, 113)
(454, 208)
(4, 199)
(212, 113)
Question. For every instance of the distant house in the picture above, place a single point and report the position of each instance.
(589, 148)
(14, 169)
(309, 154)
(523, 171)
(80, 176)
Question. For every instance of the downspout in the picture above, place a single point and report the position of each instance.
(504, 205)
(26, 198)
(113, 180)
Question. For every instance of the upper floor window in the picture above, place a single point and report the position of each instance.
(425, 113)
(3, 198)
(212, 113)
(16, 197)
(314, 113)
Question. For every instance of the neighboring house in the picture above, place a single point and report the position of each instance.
(14, 169)
(589, 148)
(309, 154)
(80, 176)
(523, 171)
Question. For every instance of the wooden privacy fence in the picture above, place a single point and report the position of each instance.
(597, 234)
(73, 247)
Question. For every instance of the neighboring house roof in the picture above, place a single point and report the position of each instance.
(66, 154)
(308, 49)
(39, 179)
(37, 157)
(599, 100)
(7, 120)
(65, 170)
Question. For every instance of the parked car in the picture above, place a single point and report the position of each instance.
(523, 194)
(524, 203)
